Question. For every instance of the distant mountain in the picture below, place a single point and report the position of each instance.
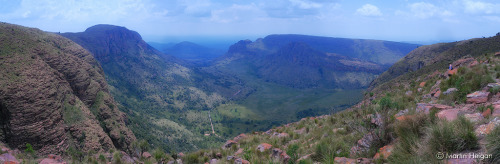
(433, 57)
(309, 61)
(189, 51)
(377, 51)
(53, 95)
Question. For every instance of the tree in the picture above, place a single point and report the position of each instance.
(144, 146)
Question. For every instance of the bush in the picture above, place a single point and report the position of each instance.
(452, 136)
(192, 158)
(494, 90)
(292, 152)
(493, 145)
(409, 132)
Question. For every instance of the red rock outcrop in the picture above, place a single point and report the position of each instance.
(49, 85)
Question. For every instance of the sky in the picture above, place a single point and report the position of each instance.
(179, 20)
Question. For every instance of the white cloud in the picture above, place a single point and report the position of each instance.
(369, 10)
(479, 7)
(423, 10)
(305, 4)
(236, 13)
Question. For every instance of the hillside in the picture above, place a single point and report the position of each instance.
(189, 51)
(53, 96)
(438, 56)
(429, 118)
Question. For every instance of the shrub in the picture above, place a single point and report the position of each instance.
(292, 152)
(192, 158)
(494, 90)
(452, 136)
(409, 132)
(29, 149)
(493, 145)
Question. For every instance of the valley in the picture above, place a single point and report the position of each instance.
(252, 87)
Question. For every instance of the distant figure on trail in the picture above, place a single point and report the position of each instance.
(451, 68)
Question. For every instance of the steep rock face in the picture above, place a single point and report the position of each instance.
(48, 89)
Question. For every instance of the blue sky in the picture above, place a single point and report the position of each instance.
(397, 20)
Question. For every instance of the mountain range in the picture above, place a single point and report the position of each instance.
(170, 102)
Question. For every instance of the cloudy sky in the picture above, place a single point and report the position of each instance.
(155, 20)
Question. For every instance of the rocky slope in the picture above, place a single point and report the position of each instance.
(431, 57)
(53, 95)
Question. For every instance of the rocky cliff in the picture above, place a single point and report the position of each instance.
(53, 95)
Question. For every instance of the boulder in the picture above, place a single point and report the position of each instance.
(146, 155)
(475, 117)
(240, 150)
(228, 144)
(8, 158)
(241, 161)
(486, 113)
(384, 152)
(475, 62)
(344, 160)
(462, 62)
(487, 128)
(451, 72)
(478, 97)
(304, 157)
(50, 161)
(419, 89)
(276, 153)
(364, 161)
(437, 94)
(363, 144)
(180, 155)
(335, 130)
(239, 137)
(493, 85)
(450, 114)
(425, 108)
(422, 84)
(264, 146)
(300, 131)
(284, 157)
(127, 159)
(218, 155)
(497, 53)
(408, 93)
(214, 161)
(450, 91)
(179, 161)
(229, 158)
(283, 135)
(376, 119)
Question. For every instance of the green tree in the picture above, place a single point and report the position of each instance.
(144, 146)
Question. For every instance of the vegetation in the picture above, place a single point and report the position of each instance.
(493, 145)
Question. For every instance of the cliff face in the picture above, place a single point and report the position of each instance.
(53, 95)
